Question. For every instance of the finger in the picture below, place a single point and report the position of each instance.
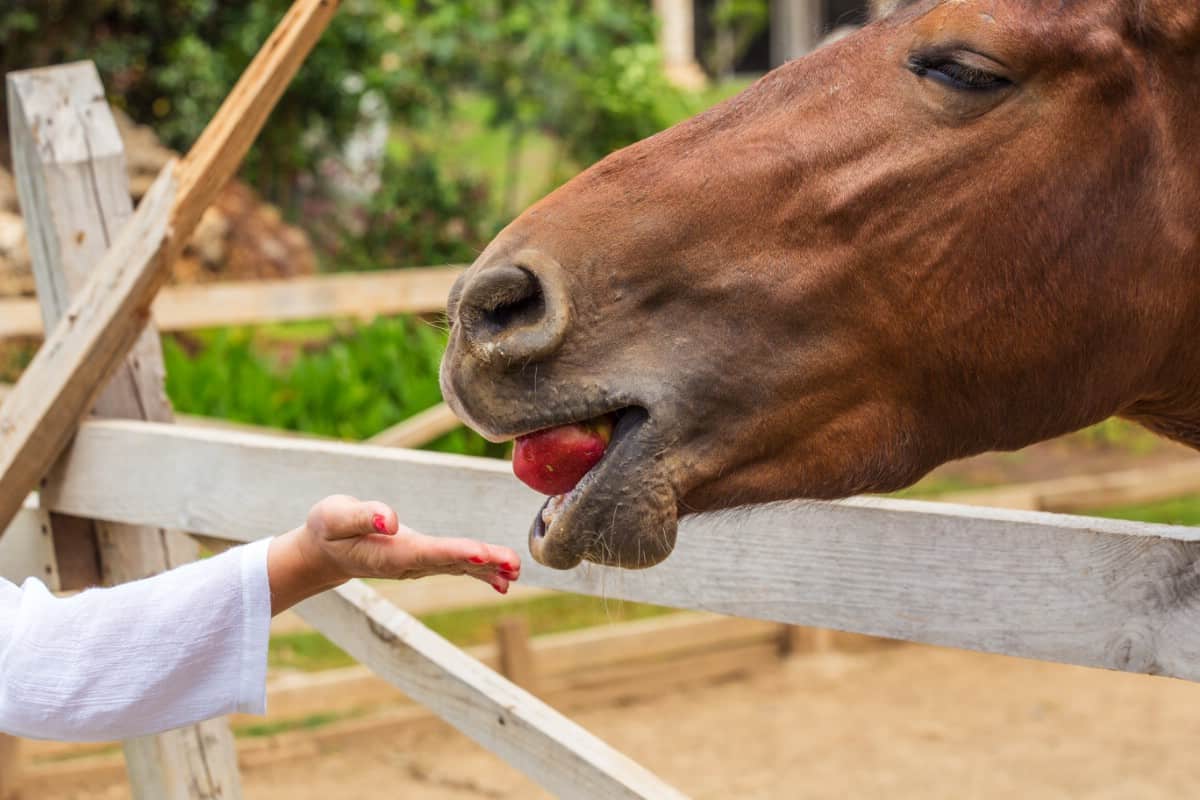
(505, 558)
(455, 554)
(499, 584)
(344, 517)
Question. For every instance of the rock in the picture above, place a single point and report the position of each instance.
(16, 274)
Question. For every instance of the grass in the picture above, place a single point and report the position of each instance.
(1179, 511)
(286, 726)
(312, 652)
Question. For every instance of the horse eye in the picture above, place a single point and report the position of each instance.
(955, 74)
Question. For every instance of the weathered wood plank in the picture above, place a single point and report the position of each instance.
(74, 192)
(419, 429)
(27, 550)
(421, 290)
(38, 416)
(1105, 593)
(10, 768)
(502, 717)
(111, 310)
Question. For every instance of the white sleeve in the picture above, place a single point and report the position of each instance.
(139, 658)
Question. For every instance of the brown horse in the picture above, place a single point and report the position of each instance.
(972, 225)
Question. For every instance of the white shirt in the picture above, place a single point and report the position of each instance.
(139, 658)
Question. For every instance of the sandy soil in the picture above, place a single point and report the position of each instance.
(904, 722)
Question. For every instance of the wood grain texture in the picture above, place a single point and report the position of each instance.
(420, 290)
(38, 417)
(502, 717)
(1106, 593)
(74, 192)
(27, 550)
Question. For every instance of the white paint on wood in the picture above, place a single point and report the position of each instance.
(27, 550)
(74, 192)
(502, 717)
(38, 416)
(1106, 593)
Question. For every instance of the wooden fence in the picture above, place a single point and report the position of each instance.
(420, 290)
(113, 493)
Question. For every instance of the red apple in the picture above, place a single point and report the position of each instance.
(554, 460)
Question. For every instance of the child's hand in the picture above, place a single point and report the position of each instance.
(346, 538)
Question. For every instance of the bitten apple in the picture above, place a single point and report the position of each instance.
(554, 460)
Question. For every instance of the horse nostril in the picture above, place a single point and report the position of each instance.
(511, 312)
(526, 306)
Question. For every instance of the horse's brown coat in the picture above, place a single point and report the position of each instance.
(853, 272)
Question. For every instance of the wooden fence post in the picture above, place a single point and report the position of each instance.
(795, 29)
(515, 656)
(74, 192)
(10, 777)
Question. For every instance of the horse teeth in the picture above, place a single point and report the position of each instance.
(552, 508)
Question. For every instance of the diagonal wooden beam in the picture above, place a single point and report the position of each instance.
(38, 418)
(499, 715)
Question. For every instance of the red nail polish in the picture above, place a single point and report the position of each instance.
(507, 566)
(379, 523)
(477, 560)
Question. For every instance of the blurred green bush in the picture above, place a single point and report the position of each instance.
(351, 385)
(586, 70)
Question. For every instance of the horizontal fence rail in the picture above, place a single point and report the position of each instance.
(419, 290)
(1104, 593)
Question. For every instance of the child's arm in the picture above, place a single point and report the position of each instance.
(191, 643)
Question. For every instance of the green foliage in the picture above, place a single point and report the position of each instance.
(421, 215)
(171, 62)
(587, 70)
(1180, 511)
(352, 387)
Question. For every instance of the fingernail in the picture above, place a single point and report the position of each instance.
(507, 566)
(477, 560)
(379, 523)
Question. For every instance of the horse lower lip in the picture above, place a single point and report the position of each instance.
(549, 522)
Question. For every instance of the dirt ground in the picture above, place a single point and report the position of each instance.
(904, 722)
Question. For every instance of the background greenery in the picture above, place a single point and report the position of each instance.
(490, 104)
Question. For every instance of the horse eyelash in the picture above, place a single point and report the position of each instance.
(955, 73)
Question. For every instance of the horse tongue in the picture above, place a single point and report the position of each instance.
(554, 460)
